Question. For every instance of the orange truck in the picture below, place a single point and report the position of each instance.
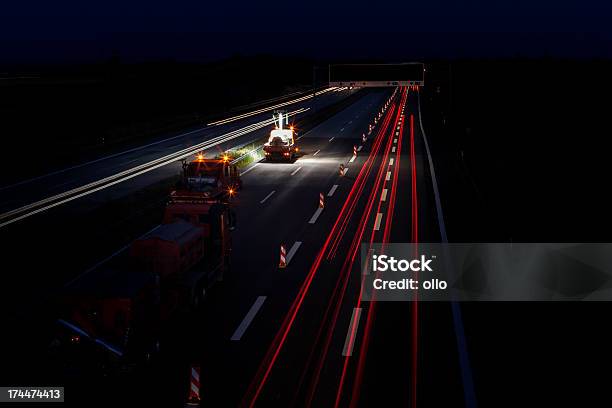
(118, 308)
(213, 178)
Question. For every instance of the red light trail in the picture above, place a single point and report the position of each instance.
(260, 379)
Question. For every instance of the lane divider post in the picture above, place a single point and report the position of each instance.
(283, 257)
(193, 400)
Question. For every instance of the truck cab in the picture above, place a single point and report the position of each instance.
(211, 177)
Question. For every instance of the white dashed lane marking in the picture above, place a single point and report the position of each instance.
(332, 190)
(268, 196)
(244, 325)
(377, 222)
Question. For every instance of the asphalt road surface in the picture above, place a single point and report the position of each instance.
(302, 335)
(299, 335)
(43, 258)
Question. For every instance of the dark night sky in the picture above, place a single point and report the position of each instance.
(67, 31)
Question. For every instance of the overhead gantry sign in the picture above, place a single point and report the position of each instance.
(377, 75)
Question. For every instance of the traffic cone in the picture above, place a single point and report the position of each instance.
(363, 138)
(321, 200)
(194, 387)
(283, 257)
(341, 169)
(354, 150)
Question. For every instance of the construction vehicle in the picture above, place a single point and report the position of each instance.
(114, 313)
(281, 143)
(213, 178)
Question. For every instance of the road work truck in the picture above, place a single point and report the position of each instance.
(281, 144)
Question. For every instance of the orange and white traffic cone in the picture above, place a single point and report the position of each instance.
(194, 387)
(354, 150)
(341, 169)
(363, 138)
(321, 200)
(283, 257)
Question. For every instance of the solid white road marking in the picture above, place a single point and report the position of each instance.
(249, 169)
(315, 216)
(349, 342)
(333, 137)
(388, 176)
(296, 170)
(383, 196)
(332, 191)
(391, 161)
(352, 159)
(317, 152)
(268, 196)
(469, 392)
(393, 150)
(434, 181)
(248, 318)
(359, 148)
(377, 222)
(292, 251)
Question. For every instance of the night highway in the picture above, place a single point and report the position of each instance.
(381, 206)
